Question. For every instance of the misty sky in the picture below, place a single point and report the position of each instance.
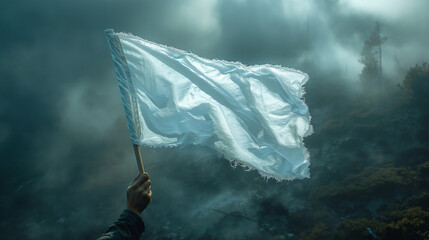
(66, 157)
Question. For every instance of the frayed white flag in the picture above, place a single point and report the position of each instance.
(253, 116)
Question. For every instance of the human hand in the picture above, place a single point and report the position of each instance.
(139, 193)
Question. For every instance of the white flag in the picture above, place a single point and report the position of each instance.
(253, 116)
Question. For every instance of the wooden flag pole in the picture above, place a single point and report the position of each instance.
(138, 158)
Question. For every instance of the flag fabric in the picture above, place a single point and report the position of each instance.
(254, 116)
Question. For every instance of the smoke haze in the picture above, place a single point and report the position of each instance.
(66, 157)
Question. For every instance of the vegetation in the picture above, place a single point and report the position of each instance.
(416, 86)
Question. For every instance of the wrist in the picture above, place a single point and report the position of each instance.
(134, 210)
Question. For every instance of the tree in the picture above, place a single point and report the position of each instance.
(371, 75)
(416, 86)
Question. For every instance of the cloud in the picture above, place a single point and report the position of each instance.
(195, 22)
(387, 10)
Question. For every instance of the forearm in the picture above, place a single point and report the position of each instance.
(129, 226)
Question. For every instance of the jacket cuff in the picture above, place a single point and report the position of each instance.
(133, 219)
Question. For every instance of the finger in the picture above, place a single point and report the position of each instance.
(144, 186)
(143, 178)
(147, 193)
(138, 175)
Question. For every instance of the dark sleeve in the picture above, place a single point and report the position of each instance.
(129, 226)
